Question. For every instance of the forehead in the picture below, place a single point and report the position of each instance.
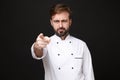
(61, 16)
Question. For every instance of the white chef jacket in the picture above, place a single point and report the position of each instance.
(67, 59)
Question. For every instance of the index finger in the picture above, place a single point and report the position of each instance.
(41, 36)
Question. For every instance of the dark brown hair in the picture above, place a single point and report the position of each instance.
(58, 8)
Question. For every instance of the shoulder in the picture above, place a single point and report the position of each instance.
(79, 43)
(78, 40)
(52, 36)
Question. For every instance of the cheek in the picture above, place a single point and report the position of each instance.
(67, 25)
(54, 27)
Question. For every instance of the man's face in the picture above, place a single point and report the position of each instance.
(61, 23)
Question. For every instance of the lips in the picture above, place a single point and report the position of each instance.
(61, 29)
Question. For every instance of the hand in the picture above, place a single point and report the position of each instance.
(42, 41)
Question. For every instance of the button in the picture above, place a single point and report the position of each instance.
(69, 41)
(57, 42)
(72, 67)
(59, 68)
(71, 53)
(58, 54)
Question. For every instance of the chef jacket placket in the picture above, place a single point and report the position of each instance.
(65, 56)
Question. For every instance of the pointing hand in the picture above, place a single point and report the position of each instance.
(42, 41)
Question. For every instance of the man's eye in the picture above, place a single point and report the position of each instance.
(64, 20)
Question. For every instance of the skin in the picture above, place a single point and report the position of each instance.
(61, 24)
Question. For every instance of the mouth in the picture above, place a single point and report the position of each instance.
(61, 29)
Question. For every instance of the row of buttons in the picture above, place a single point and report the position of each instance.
(69, 42)
(59, 54)
(60, 68)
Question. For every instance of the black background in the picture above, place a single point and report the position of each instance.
(94, 21)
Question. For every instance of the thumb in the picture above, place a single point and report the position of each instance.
(46, 38)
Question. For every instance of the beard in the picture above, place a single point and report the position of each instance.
(62, 32)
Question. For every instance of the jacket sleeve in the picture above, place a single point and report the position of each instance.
(34, 56)
(87, 64)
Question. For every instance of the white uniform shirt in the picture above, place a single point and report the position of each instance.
(67, 59)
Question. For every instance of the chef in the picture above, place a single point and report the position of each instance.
(64, 56)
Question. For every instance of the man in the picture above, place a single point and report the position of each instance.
(64, 56)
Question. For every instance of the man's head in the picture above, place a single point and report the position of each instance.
(60, 19)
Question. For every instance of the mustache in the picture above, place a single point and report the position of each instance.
(61, 28)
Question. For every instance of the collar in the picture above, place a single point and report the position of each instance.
(58, 38)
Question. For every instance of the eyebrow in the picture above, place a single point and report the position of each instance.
(64, 20)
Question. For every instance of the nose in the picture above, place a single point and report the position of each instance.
(61, 24)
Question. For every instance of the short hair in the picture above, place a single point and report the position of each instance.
(58, 8)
